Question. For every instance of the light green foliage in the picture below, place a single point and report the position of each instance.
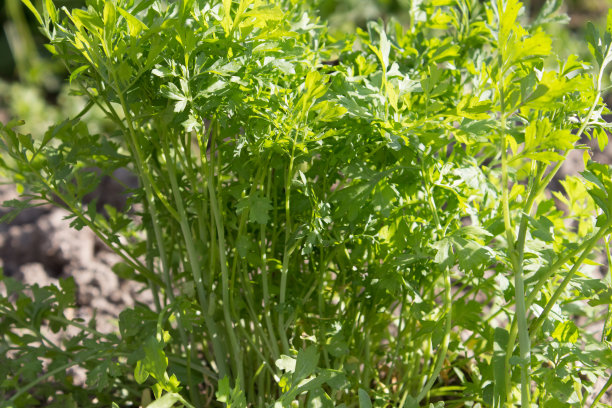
(376, 231)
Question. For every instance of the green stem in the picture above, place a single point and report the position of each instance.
(608, 322)
(443, 350)
(265, 279)
(223, 264)
(602, 392)
(568, 277)
(520, 248)
(47, 375)
(286, 252)
(556, 266)
(118, 248)
(94, 332)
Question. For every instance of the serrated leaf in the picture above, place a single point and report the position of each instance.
(444, 251)
(545, 157)
(140, 373)
(135, 26)
(566, 332)
(305, 364)
(508, 18)
(286, 363)
(223, 390)
(171, 91)
(168, 400)
(155, 361)
(257, 206)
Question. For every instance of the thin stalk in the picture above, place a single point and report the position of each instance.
(443, 350)
(265, 278)
(94, 332)
(41, 379)
(602, 392)
(399, 346)
(145, 177)
(520, 249)
(321, 303)
(585, 247)
(151, 266)
(561, 288)
(150, 192)
(286, 252)
(53, 372)
(236, 358)
(556, 266)
(194, 264)
(608, 321)
(254, 318)
(519, 286)
(118, 248)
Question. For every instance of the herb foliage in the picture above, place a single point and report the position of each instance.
(373, 232)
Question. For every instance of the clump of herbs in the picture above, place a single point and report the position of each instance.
(376, 231)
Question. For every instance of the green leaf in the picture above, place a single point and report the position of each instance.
(566, 332)
(155, 361)
(226, 23)
(258, 207)
(602, 138)
(30, 6)
(168, 400)
(125, 271)
(364, 399)
(135, 26)
(223, 390)
(261, 15)
(602, 298)
(319, 399)
(231, 397)
(327, 111)
(286, 363)
(129, 323)
(140, 373)
(544, 228)
(110, 15)
(243, 244)
(74, 74)
(51, 10)
(508, 18)
(385, 48)
(66, 295)
(306, 363)
(444, 254)
(545, 157)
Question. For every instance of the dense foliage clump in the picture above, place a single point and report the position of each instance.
(323, 221)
